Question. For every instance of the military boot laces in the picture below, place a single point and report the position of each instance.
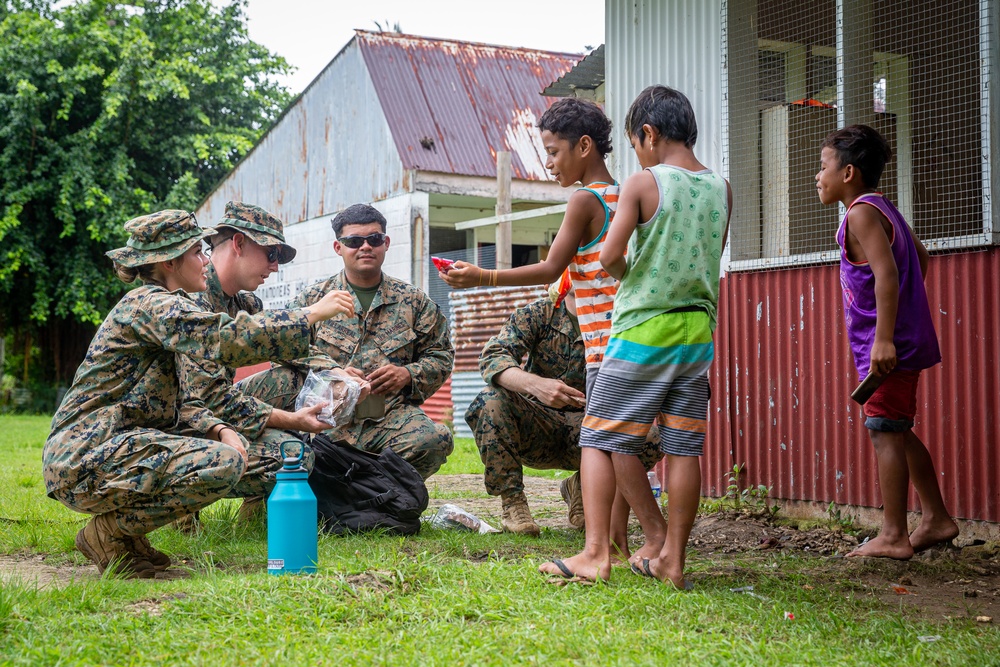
(517, 517)
(103, 542)
(140, 547)
(572, 494)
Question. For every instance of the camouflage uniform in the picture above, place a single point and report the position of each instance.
(207, 386)
(403, 327)
(114, 446)
(512, 430)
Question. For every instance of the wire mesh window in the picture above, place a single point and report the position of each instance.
(914, 70)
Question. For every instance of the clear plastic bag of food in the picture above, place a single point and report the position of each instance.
(338, 390)
(453, 517)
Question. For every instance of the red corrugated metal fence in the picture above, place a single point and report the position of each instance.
(783, 375)
(438, 407)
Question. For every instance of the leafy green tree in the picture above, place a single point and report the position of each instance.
(107, 111)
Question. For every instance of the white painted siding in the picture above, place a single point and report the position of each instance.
(464, 389)
(677, 43)
(331, 149)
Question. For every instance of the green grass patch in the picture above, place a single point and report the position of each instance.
(464, 460)
(438, 598)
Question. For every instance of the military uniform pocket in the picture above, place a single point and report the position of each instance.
(396, 347)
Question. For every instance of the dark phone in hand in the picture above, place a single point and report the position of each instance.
(867, 387)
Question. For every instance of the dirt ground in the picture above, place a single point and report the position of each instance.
(939, 584)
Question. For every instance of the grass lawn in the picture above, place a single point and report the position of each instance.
(449, 598)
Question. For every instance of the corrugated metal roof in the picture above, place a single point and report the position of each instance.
(477, 315)
(587, 75)
(465, 386)
(451, 106)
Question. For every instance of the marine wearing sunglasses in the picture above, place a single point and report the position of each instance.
(354, 242)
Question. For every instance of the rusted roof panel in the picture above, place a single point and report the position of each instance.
(451, 106)
(478, 314)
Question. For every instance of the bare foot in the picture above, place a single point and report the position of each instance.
(580, 565)
(930, 533)
(882, 547)
(651, 550)
(668, 573)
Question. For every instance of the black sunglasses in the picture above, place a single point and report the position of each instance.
(273, 253)
(355, 242)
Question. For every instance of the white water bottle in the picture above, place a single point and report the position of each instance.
(654, 483)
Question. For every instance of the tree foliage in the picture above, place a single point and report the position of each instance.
(107, 111)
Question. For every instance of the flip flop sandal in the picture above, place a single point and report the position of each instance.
(567, 576)
(644, 571)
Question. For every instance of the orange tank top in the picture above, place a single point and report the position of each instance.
(595, 288)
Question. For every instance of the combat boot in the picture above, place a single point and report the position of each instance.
(517, 516)
(103, 542)
(572, 494)
(139, 546)
(252, 508)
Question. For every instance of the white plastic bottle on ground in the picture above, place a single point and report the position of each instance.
(654, 483)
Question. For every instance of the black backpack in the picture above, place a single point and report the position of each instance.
(357, 491)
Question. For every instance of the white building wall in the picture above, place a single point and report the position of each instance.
(331, 149)
(677, 43)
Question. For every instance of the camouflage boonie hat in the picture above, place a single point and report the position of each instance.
(159, 236)
(262, 227)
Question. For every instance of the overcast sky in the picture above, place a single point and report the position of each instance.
(309, 33)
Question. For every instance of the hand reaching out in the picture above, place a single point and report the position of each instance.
(463, 274)
(332, 304)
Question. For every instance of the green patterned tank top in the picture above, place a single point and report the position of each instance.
(673, 259)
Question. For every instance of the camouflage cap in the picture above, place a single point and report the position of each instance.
(159, 236)
(262, 227)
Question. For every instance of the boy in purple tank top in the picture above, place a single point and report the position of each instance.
(882, 268)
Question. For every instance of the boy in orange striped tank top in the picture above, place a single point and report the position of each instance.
(576, 135)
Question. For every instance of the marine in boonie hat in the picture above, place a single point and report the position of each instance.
(262, 227)
(158, 237)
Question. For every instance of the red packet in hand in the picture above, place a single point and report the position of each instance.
(442, 264)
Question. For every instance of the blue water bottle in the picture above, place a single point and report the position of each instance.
(292, 524)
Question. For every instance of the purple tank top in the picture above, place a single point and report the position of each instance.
(914, 337)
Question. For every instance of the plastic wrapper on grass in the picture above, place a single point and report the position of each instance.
(453, 517)
(339, 391)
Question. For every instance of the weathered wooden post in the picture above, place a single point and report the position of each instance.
(504, 252)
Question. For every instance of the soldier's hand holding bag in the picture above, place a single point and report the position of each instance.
(338, 390)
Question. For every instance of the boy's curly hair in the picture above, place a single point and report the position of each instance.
(666, 109)
(864, 148)
(571, 118)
